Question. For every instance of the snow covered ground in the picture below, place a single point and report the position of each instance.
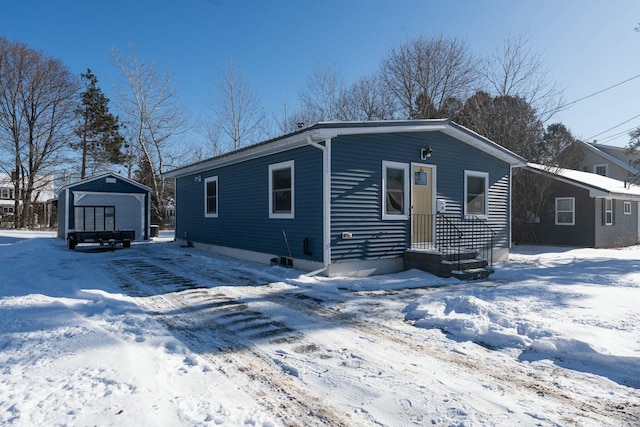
(159, 335)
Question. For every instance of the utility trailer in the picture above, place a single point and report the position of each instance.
(106, 237)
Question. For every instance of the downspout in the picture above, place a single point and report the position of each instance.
(326, 203)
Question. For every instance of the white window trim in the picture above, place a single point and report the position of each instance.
(573, 211)
(604, 165)
(627, 208)
(485, 175)
(278, 166)
(206, 181)
(405, 200)
(607, 211)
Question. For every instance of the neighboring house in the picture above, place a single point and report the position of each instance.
(7, 199)
(586, 209)
(42, 194)
(105, 203)
(346, 198)
(607, 160)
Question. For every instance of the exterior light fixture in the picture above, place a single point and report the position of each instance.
(426, 152)
(197, 178)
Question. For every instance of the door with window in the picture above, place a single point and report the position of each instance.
(422, 217)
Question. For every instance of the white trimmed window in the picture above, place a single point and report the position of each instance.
(476, 190)
(282, 190)
(565, 210)
(601, 169)
(608, 212)
(395, 190)
(211, 197)
(6, 193)
(627, 208)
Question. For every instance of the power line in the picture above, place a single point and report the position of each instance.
(561, 107)
(616, 135)
(612, 128)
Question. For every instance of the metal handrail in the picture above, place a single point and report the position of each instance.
(454, 228)
(452, 233)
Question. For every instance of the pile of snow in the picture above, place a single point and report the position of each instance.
(577, 307)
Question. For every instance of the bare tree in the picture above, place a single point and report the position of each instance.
(152, 117)
(367, 99)
(633, 146)
(38, 95)
(238, 115)
(320, 97)
(513, 69)
(291, 120)
(424, 72)
(531, 189)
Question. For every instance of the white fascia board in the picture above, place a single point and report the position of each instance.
(469, 137)
(487, 146)
(260, 150)
(325, 133)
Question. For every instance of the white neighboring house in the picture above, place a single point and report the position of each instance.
(41, 198)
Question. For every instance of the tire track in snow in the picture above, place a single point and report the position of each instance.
(197, 317)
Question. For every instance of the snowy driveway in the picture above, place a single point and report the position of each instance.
(251, 344)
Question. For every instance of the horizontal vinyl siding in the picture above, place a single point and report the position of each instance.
(243, 207)
(356, 189)
(356, 201)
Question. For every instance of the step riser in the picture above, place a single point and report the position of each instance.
(447, 265)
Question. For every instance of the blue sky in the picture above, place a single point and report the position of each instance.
(587, 45)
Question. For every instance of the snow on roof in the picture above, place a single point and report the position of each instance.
(599, 186)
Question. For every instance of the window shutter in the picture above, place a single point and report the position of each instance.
(603, 212)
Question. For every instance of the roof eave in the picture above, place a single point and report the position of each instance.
(328, 130)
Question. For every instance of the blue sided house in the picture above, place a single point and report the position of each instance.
(103, 204)
(353, 199)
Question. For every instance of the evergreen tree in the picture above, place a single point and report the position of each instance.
(99, 130)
